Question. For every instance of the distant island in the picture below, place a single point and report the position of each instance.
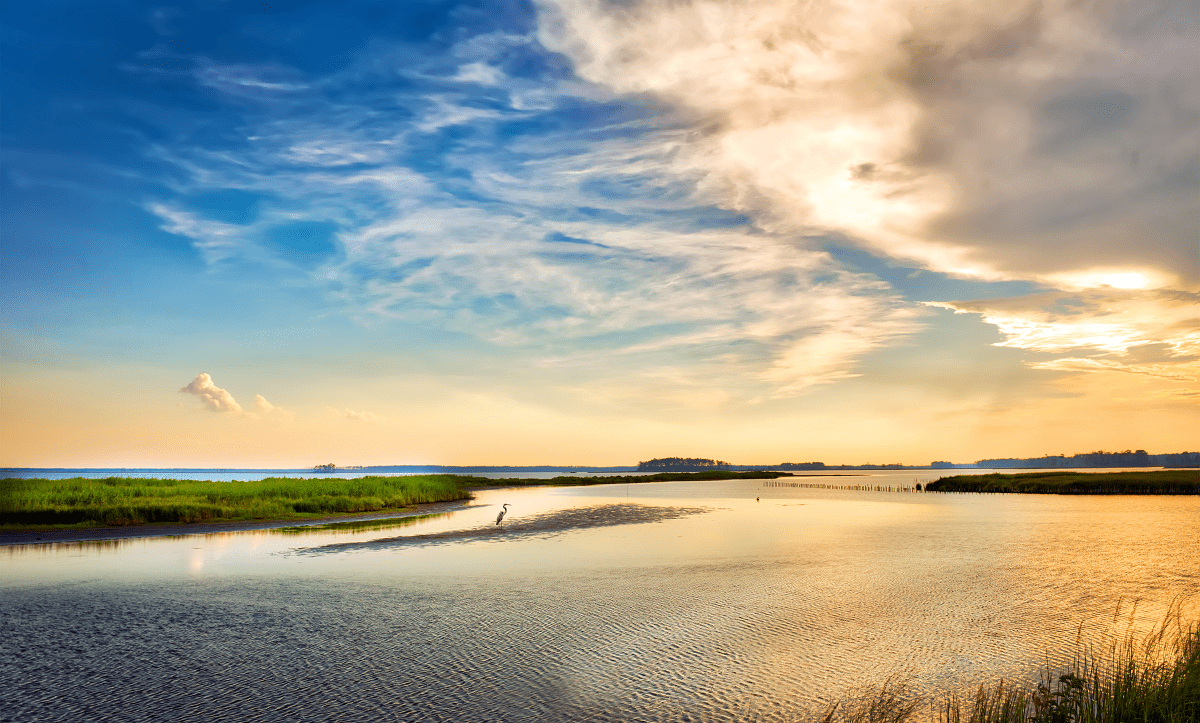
(675, 464)
(331, 467)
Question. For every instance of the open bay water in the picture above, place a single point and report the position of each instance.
(681, 601)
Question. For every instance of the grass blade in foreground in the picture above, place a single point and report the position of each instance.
(1154, 680)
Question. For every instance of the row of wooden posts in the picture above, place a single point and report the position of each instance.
(826, 486)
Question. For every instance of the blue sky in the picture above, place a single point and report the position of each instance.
(558, 232)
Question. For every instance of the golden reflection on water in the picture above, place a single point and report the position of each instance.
(358, 526)
(765, 600)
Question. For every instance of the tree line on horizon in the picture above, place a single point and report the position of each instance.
(1100, 459)
(1128, 458)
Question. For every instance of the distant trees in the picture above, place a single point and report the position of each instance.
(665, 464)
(1128, 458)
(324, 467)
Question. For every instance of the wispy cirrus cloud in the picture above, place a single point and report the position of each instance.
(1153, 333)
(537, 236)
(1111, 321)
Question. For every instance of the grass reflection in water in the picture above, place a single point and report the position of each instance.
(356, 526)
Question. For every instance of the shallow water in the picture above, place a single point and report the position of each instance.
(644, 602)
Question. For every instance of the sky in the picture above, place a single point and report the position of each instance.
(596, 232)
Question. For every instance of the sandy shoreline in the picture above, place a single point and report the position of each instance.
(543, 525)
(90, 534)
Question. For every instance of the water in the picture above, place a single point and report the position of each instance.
(643, 602)
(225, 475)
(245, 475)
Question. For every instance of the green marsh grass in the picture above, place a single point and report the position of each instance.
(1154, 679)
(79, 502)
(113, 501)
(1149, 482)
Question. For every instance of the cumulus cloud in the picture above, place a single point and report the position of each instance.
(214, 398)
(270, 410)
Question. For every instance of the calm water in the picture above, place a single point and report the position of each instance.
(653, 602)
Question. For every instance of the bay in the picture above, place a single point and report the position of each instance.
(705, 601)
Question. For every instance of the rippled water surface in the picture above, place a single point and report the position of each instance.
(651, 602)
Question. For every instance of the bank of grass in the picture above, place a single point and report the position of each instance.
(33, 504)
(1156, 482)
(1155, 679)
(79, 502)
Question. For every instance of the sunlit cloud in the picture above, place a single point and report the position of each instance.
(1152, 333)
(214, 398)
(1109, 321)
(1022, 140)
(1185, 393)
(1072, 364)
(1112, 278)
(270, 410)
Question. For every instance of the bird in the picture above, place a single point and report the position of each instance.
(500, 516)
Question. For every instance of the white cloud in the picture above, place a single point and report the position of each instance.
(1072, 364)
(1111, 321)
(271, 411)
(214, 398)
(1033, 140)
(566, 242)
(1154, 333)
(214, 240)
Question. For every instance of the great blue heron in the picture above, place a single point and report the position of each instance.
(500, 517)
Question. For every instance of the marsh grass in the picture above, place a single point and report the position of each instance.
(27, 504)
(79, 502)
(1155, 679)
(1149, 482)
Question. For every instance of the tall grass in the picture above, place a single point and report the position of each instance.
(132, 501)
(1152, 680)
(1148, 482)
